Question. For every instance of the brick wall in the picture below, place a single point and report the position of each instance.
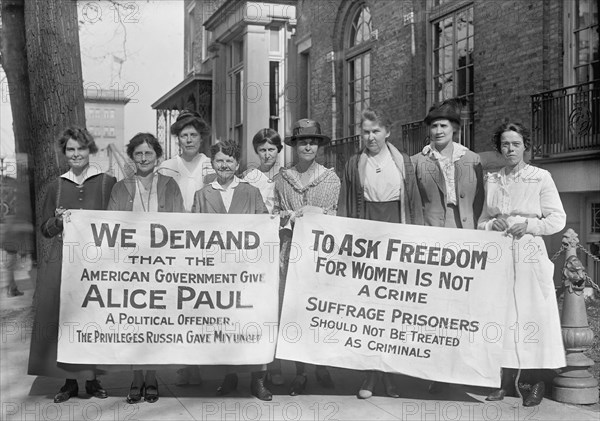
(518, 52)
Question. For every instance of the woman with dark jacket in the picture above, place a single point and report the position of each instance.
(378, 184)
(359, 195)
(231, 195)
(145, 191)
(82, 187)
(449, 176)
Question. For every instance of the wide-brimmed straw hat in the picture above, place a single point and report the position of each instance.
(306, 129)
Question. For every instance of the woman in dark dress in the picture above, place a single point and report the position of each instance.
(379, 184)
(82, 187)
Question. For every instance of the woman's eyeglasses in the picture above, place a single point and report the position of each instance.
(144, 156)
(193, 136)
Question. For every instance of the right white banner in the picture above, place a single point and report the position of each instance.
(423, 301)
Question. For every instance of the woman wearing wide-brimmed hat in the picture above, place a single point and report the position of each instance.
(307, 187)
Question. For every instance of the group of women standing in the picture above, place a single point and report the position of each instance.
(443, 186)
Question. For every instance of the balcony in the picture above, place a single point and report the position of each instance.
(566, 123)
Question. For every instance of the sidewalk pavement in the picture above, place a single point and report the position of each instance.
(24, 397)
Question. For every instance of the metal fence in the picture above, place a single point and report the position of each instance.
(339, 151)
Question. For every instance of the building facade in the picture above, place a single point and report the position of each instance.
(531, 61)
(105, 116)
(535, 61)
(105, 120)
(236, 67)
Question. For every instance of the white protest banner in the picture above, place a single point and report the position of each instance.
(165, 288)
(423, 301)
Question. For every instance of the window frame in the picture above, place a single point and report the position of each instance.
(189, 37)
(571, 47)
(235, 69)
(453, 10)
(350, 55)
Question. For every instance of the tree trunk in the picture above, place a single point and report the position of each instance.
(14, 62)
(53, 63)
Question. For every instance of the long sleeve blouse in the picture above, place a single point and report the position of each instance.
(527, 195)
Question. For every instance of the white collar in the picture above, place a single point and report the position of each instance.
(458, 151)
(90, 171)
(215, 184)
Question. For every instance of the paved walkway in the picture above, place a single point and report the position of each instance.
(24, 397)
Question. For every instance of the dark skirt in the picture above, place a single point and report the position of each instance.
(383, 211)
(46, 329)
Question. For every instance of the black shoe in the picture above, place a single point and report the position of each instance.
(438, 387)
(13, 292)
(507, 386)
(298, 385)
(229, 384)
(258, 388)
(151, 393)
(324, 378)
(536, 396)
(94, 388)
(390, 387)
(135, 394)
(496, 395)
(69, 389)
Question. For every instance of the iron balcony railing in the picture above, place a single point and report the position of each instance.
(566, 122)
(339, 151)
(414, 137)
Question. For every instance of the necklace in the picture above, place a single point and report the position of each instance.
(379, 163)
(140, 186)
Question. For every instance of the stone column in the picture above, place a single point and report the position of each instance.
(575, 384)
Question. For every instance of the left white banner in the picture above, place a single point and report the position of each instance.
(163, 288)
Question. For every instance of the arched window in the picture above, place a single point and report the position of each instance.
(357, 54)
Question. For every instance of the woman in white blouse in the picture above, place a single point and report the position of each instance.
(190, 168)
(522, 201)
